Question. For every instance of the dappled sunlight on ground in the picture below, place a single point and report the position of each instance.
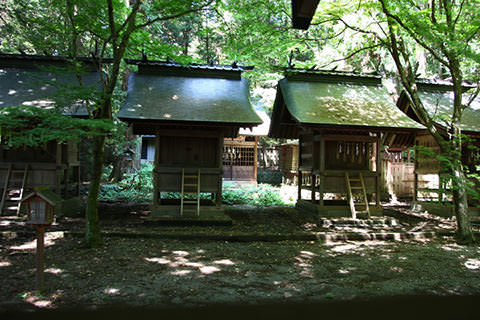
(5, 264)
(184, 273)
(304, 263)
(49, 240)
(112, 291)
(472, 264)
(183, 266)
(452, 247)
(53, 270)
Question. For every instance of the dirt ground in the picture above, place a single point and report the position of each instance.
(174, 273)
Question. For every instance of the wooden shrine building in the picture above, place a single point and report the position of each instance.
(430, 179)
(190, 110)
(240, 154)
(34, 81)
(339, 119)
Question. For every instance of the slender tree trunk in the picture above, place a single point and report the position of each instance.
(464, 228)
(92, 234)
(459, 192)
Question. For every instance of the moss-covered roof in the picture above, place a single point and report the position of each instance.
(27, 82)
(188, 96)
(439, 104)
(341, 102)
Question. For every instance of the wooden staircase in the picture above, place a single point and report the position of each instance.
(357, 195)
(190, 185)
(13, 190)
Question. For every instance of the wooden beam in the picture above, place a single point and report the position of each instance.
(156, 173)
(346, 137)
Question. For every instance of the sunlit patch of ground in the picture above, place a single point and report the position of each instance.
(191, 273)
(156, 272)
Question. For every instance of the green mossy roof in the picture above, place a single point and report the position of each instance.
(167, 97)
(439, 104)
(35, 87)
(346, 103)
(47, 195)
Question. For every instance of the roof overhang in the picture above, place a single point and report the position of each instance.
(303, 12)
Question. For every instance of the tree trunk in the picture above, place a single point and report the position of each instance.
(92, 233)
(459, 191)
(118, 169)
(464, 228)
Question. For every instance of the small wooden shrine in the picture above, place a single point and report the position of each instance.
(289, 162)
(339, 119)
(430, 182)
(240, 155)
(33, 81)
(190, 110)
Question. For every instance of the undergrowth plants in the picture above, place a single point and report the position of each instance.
(138, 187)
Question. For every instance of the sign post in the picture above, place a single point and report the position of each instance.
(40, 256)
(41, 212)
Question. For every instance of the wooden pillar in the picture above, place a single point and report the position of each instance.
(255, 160)
(415, 187)
(379, 170)
(58, 168)
(300, 180)
(40, 256)
(313, 188)
(415, 175)
(322, 170)
(66, 174)
(79, 179)
(156, 174)
(299, 196)
(218, 198)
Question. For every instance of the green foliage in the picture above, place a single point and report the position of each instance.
(135, 187)
(272, 177)
(261, 196)
(138, 187)
(29, 126)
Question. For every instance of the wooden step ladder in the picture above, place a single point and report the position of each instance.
(190, 185)
(356, 190)
(9, 188)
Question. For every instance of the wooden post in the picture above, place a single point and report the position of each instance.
(255, 160)
(322, 169)
(79, 179)
(300, 180)
(66, 173)
(218, 201)
(313, 188)
(40, 256)
(156, 174)
(379, 170)
(415, 175)
(299, 196)
(58, 169)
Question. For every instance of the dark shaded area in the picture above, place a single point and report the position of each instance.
(382, 308)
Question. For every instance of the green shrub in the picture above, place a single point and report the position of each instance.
(262, 195)
(273, 177)
(135, 187)
(138, 187)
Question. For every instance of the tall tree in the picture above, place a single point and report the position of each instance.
(111, 29)
(445, 29)
(114, 23)
(449, 32)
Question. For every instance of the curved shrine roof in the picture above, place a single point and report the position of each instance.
(189, 95)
